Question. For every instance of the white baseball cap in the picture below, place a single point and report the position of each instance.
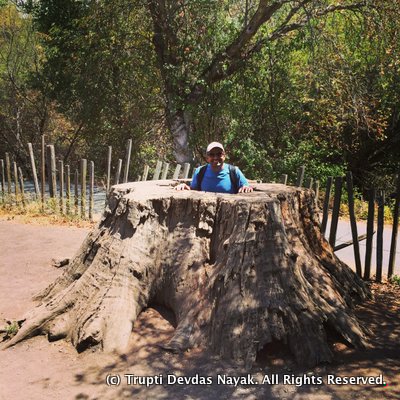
(214, 145)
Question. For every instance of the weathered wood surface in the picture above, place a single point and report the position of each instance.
(239, 272)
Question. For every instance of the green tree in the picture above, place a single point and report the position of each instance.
(325, 97)
(23, 111)
(282, 83)
(351, 107)
(99, 69)
(229, 43)
(197, 45)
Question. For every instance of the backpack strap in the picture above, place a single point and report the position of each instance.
(234, 178)
(200, 176)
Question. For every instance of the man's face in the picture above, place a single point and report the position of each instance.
(216, 158)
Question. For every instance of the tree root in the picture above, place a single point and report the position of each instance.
(239, 272)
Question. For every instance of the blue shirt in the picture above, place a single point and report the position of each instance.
(218, 182)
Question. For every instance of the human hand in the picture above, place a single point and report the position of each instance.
(182, 186)
(245, 189)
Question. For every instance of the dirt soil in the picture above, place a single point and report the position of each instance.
(39, 369)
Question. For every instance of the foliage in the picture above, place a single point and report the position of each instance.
(319, 89)
(22, 110)
(99, 71)
(316, 99)
(395, 279)
(10, 329)
(361, 210)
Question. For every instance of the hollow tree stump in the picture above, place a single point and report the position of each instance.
(239, 272)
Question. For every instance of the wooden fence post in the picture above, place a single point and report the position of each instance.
(43, 170)
(325, 211)
(76, 192)
(3, 181)
(61, 180)
(145, 172)
(52, 168)
(34, 174)
(157, 171)
(22, 187)
(8, 172)
(309, 183)
(83, 187)
(316, 190)
(300, 176)
(194, 170)
(283, 179)
(176, 172)
(48, 169)
(186, 169)
(108, 170)
(353, 223)
(393, 243)
(91, 191)
(68, 189)
(16, 187)
(336, 209)
(127, 159)
(379, 236)
(370, 233)
(165, 171)
(118, 172)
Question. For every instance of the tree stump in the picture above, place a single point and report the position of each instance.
(239, 272)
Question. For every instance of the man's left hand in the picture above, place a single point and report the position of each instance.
(245, 189)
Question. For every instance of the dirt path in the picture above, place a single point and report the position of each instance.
(37, 369)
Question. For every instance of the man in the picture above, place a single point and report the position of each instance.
(217, 176)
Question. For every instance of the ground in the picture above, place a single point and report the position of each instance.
(38, 369)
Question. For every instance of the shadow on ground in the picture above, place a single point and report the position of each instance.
(154, 327)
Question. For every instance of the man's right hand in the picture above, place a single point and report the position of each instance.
(182, 186)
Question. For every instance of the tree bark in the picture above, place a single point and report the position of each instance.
(179, 125)
(238, 271)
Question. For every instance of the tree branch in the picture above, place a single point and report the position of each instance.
(164, 39)
(226, 63)
(73, 140)
(286, 28)
(165, 43)
(218, 68)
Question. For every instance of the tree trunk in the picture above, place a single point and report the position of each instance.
(179, 124)
(239, 272)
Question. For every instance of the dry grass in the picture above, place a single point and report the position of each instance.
(34, 212)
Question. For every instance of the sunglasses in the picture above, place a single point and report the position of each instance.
(219, 154)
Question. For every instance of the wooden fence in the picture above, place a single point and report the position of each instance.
(74, 202)
(376, 199)
(57, 192)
